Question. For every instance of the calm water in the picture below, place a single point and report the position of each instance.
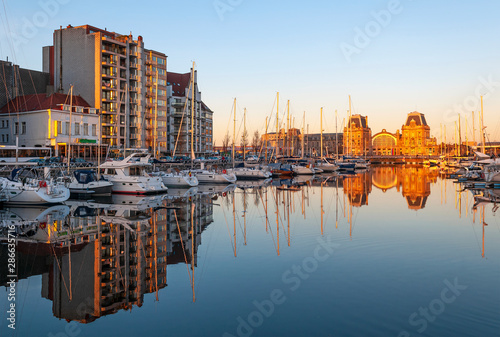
(396, 251)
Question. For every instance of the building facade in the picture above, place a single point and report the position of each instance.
(386, 144)
(416, 138)
(357, 136)
(185, 117)
(46, 121)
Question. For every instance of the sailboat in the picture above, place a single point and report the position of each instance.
(26, 187)
(242, 172)
(323, 163)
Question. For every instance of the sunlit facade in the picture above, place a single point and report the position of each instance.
(416, 137)
(358, 136)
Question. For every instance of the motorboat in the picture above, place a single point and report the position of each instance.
(86, 182)
(249, 173)
(326, 166)
(130, 177)
(26, 187)
(177, 179)
(214, 177)
(281, 170)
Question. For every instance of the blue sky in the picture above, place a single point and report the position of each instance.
(429, 56)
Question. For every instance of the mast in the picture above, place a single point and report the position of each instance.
(288, 129)
(336, 138)
(459, 136)
(234, 127)
(244, 132)
(473, 130)
(321, 132)
(156, 117)
(277, 125)
(265, 141)
(350, 127)
(483, 140)
(68, 155)
(466, 140)
(192, 115)
(303, 135)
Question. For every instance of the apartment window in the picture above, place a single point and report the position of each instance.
(94, 130)
(3, 138)
(66, 128)
(3, 123)
(7, 138)
(85, 129)
(77, 129)
(16, 128)
(7, 123)
(59, 127)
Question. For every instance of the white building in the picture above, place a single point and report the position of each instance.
(44, 121)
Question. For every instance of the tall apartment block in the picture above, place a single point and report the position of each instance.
(113, 72)
(156, 101)
(181, 89)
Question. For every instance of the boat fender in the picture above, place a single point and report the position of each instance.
(224, 171)
(189, 173)
(43, 225)
(224, 194)
(42, 183)
(482, 175)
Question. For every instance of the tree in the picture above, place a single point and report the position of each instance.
(244, 139)
(256, 142)
(225, 142)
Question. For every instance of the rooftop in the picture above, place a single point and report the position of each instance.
(41, 102)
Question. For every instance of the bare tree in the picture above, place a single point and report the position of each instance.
(256, 142)
(244, 139)
(225, 142)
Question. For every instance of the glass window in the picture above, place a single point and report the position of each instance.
(16, 128)
(66, 126)
(85, 129)
(77, 129)
(23, 128)
(94, 130)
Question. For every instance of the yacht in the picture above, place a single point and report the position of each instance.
(26, 187)
(249, 173)
(213, 177)
(86, 182)
(177, 179)
(130, 177)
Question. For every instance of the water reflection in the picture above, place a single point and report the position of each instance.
(98, 257)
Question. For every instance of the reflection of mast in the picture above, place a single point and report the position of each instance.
(192, 250)
(245, 217)
(337, 203)
(484, 224)
(322, 212)
(288, 215)
(277, 221)
(155, 239)
(234, 225)
(277, 125)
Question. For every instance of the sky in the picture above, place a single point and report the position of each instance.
(392, 57)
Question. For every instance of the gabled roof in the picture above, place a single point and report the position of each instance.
(41, 102)
(179, 83)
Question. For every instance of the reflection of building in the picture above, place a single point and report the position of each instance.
(357, 136)
(385, 177)
(358, 188)
(416, 183)
(115, 255)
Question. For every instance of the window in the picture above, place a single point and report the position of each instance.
(7, 138)
(85, 129)
(3, 123)
(16, 128)
(66, 126)
(3, 138)
(7, 123)
(77, 129)
(59, 127)
(94, 130)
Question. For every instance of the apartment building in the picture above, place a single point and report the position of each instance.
(107, 70)
(184, 117)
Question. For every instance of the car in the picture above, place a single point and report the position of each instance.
(80, 162)
(38, 161)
